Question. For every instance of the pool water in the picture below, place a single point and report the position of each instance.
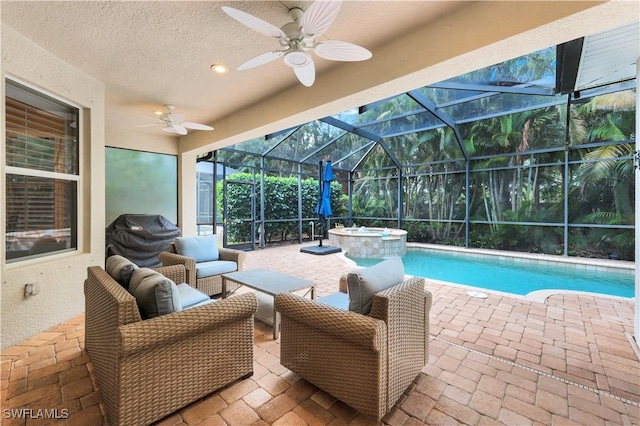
(508, 276)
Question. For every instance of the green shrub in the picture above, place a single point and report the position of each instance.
(280, 202)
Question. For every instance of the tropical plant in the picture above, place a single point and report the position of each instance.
(407, 165)
(280, 207)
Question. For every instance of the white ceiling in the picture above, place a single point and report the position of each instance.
(150, 53)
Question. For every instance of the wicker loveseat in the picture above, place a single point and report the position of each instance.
(147, 369)
(366, 361)
(205, 276)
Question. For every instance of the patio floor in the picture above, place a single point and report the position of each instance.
(499, 360)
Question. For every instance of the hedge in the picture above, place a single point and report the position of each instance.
(281, 202)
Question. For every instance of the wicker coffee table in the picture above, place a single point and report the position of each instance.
(268, 284)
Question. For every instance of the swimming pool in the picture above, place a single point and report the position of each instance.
(509, 276)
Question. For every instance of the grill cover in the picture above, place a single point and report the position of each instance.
(140, 238)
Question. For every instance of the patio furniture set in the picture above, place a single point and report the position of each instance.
(157, 345)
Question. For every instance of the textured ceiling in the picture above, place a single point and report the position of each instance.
(151, 53)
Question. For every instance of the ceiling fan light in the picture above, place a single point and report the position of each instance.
(169, 128)
(297, 58)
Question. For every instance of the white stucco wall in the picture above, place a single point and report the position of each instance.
(119, 138)
(59, 277)
(187, 197)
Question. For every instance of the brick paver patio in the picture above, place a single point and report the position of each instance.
(499, 360)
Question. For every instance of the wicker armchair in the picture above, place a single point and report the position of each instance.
(147, 369)
(211, 285)
(366, 361)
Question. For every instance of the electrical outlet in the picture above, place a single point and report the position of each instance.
(28, 290)
(31, 289)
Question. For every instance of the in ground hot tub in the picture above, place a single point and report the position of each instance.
(369, 242)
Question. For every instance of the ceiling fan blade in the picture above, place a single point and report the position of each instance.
(260, 60)
(254, 23)
(335, 50)
(180, 129)
(175, 128)
(319, 16)
(306, 74)
(196, 126)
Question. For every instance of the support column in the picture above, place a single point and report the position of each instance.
(636, 322)
(187, 202)
(261, 242)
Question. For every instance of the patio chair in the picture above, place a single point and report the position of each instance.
(367, 360)
(205, 262)
(149, 368)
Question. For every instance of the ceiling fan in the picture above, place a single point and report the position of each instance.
(299, 37)
(174, 123)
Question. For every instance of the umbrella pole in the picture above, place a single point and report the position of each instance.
(320, 218)
(325, 175)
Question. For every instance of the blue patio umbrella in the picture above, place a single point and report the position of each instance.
(323, 209)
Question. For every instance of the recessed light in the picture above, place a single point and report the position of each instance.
(219, 68)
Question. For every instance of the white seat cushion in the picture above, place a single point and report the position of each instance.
(190, 296)
(216, 267)
(337, 300)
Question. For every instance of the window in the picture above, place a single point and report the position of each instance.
(42, 173)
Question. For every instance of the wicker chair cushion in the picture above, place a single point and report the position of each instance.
(202, 248)
(337, 300)
(216, 267)
(190, 297)
(204, 302)
(365, 283)
(156, 294)
(120, 268)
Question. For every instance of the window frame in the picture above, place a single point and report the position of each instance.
(77, 216)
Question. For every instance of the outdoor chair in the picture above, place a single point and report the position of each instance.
(366, 359)
(147, 369)
(205, 262)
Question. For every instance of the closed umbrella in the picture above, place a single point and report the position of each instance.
(323, 208)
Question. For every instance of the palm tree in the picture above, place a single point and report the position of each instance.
(612, 118)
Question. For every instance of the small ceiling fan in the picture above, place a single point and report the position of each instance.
(174, 123)
(299, 37)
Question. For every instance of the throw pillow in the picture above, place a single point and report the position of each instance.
(120, 268)
(156, 294)
(202, 248)
(365, 283)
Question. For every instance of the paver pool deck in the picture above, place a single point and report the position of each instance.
(500, 360)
